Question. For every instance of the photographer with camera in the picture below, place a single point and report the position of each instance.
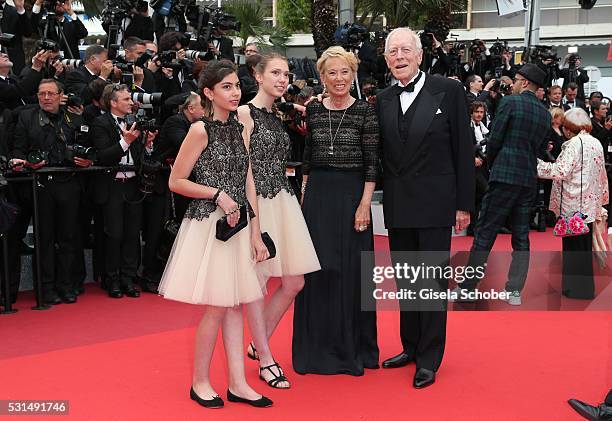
(435, 60)
(65, 31)
(14, 20)
(474, 88)
(97, 65)
(44, 136)
(170, 74)
(117, 190)
(602, 126)
(168, 16)
(144, 80)
(481, 132)
(159, 206)
(14, 91)
(574, 74)
(479, 61)
(134, 22)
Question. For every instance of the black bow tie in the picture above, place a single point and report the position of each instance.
(120, 120)
(409, 87)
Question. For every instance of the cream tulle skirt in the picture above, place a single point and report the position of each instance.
(282, 218)
(204, 270)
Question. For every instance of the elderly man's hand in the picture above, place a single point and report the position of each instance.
(462, 220)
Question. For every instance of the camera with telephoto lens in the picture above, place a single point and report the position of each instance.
(193, 54)
(350, 35)
(71, 62)
(37, 156)
(149, 168)
(74, 100)
(47, 45)
(169, 60)
(224, 21)
(50, 5)
(572, 60)
(144, 98)
(481, 149)
(124, 66)
(80, 151)
(142, 122)
(7, 40)
(500, 86)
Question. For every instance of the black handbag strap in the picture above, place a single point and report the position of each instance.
(581, 170)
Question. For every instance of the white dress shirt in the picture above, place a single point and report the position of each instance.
(407, 98)
(126, 159)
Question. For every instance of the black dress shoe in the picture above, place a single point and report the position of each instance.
(51, 298)
(68, 297)
(262, 402)
(423, 378)
(130, 290)
(590, 412)
(79, 290)
(25, 249)
(213, 403)
(114, 289)
(400, 360)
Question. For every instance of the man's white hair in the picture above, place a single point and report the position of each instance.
(404, 31)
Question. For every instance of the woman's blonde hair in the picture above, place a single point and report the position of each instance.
(577, 120)
(557, 112)
(337, 52)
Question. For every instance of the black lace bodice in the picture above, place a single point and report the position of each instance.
(269, 146)
(223, 164)
(355, 146)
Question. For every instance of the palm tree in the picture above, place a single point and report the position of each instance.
(323, 23)
(434, 14)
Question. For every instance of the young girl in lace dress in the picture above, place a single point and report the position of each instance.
(279, 213)
(202, 269)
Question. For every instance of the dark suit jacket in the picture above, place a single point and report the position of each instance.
(18, 25)
(73, 31)
(518, 136)
(171, 137)
(226, 49)
(430, 175)
(105, 137)
(77, 82)
(481, 97)
(11, 94)
(140, 26)
(367, 62)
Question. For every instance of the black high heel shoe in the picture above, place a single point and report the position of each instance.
(262, 402)
(213, 403)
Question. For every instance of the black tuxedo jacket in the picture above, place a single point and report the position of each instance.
(13, 92)
(429, 175)
(104, 136)
(18, 25)
(77, 82)
(226, 49)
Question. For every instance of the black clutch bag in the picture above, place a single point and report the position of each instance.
(269, 244)
(225, 232)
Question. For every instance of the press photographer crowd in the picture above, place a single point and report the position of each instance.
(103, 130)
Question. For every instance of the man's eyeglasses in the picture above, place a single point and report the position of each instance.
(47, 94)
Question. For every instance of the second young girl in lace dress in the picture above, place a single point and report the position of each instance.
(279, 213)
(202, 269)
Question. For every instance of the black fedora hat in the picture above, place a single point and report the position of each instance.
(533, 73)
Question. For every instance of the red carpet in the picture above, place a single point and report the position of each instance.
(131, 359)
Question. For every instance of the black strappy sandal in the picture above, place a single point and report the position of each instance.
(252, 352)
(277, 379)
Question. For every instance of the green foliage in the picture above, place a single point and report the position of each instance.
(250, 13)
(404, 12)
(293, 15)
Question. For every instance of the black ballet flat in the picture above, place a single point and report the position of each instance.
(262, 402)
(213, 403)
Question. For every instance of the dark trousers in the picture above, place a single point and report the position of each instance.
(423, 333)
(577, 274)
(609, 398)
(122, 220)
(58, 200)
(20, 194)
(500, 202)
(154, 214)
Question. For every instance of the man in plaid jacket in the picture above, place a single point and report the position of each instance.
(518, 136)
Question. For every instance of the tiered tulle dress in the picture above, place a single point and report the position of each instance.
(280, 214)
(202, 269)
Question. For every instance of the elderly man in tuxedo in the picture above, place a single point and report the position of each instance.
(428, 170)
